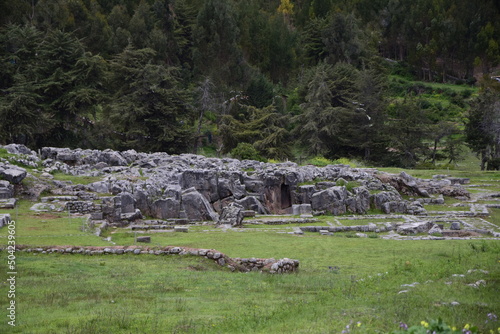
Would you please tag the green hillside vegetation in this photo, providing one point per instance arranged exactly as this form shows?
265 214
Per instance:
391 83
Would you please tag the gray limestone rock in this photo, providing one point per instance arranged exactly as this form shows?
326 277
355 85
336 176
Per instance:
301 209
359 202
414 228
232 215
196 206
4 219
330 200
131 216
435 229
12 173
166 208
6 190
252 203
204 181
146 239
305 193
101 187
127 203
19 149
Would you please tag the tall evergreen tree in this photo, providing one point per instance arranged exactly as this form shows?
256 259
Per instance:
148 110
216 52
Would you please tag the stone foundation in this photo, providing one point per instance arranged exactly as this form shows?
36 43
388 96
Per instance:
272 266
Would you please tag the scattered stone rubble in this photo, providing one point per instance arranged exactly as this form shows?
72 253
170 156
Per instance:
272 266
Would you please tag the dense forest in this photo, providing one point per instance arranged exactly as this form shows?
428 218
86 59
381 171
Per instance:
389 82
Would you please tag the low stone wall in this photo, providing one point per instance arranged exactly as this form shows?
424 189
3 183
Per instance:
272 266
81 207
354 228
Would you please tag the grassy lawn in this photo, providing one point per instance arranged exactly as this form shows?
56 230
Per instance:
174 294
49 228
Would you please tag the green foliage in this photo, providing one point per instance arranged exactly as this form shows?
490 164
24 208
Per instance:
321 61
482 128
216 52
435 326
266 128
149 110
245 151
319 161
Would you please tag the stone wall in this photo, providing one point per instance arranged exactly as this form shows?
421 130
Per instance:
272 266
81 207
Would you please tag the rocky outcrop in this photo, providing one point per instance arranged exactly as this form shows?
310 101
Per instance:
196 206
197 188
409 185
331 200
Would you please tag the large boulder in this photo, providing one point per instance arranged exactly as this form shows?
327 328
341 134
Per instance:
19 149
204 181
252 203
232 215
231 186
6 190
196 206
166 208
304 193
414 228
330 200
12 173
379 199
359 202
127 202
101 187
112 158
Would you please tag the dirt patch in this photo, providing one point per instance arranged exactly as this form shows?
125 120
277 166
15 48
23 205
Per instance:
460 234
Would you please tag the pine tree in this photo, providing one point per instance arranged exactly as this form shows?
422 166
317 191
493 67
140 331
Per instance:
148 110
216 52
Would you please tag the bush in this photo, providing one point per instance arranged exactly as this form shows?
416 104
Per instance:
320 161
245 151
344 161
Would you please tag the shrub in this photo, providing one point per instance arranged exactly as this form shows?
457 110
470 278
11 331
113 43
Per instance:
245 151
345 161
320 161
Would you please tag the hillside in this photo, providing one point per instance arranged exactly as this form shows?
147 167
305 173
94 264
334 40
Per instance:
388 83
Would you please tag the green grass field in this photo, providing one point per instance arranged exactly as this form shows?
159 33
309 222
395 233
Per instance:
174 294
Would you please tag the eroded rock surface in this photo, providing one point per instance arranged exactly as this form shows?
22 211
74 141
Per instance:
197 188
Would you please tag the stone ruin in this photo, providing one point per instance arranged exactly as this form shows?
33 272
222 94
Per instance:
185 188
173 190
271 265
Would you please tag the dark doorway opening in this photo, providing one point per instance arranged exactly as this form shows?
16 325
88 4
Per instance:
286 198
